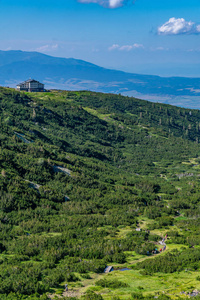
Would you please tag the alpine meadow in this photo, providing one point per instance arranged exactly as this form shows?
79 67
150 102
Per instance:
91 181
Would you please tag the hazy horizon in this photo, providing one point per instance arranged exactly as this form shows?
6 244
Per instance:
146 37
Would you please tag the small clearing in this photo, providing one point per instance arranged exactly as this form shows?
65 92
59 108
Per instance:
61 169
34 185
22 137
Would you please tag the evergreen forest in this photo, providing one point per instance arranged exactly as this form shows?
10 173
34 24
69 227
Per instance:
90 180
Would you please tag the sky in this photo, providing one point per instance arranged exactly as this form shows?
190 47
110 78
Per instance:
160 37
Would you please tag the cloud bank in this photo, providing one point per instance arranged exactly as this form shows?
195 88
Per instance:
178 26
47 48
125 47
108 3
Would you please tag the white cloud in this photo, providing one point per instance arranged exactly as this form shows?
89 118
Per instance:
138 45
178 26
125 47
108 3
115 3
113 47
160 48
47 48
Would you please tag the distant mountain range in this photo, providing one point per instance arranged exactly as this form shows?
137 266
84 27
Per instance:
74 74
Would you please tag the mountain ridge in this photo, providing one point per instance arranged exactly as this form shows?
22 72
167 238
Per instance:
76 74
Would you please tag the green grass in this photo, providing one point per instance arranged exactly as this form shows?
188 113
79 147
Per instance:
181 218
170 284
159 283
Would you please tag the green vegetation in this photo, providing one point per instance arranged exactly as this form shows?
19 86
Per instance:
79 172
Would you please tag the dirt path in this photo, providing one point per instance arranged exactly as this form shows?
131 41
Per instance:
72 293
69 293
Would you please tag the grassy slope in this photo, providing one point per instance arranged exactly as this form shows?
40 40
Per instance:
125 141
156 284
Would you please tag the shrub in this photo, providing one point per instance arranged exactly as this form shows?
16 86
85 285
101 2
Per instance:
119 258
137 296
90 295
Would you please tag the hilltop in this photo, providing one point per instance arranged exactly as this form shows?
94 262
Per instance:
80 171
75 74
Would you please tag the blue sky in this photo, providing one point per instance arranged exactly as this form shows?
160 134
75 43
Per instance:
144 36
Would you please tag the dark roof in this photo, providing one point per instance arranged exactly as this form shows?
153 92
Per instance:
29 80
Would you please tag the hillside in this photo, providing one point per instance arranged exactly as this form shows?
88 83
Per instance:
74 74
80 171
